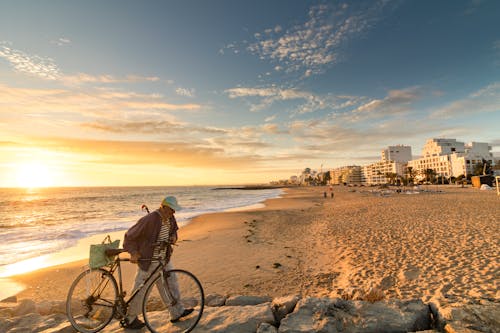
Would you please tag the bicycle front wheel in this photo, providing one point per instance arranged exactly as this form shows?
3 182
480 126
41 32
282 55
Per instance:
91 299
175 293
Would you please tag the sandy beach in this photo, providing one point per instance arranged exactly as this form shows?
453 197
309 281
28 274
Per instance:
441 245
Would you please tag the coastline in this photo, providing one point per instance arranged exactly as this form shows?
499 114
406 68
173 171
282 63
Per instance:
408 246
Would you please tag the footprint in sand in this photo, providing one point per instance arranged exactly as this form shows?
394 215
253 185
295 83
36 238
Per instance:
410 274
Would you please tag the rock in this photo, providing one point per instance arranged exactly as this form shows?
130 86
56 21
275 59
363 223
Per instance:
215 300
11 299
351 294
241 319
484 317
247 300
44 308
21 324
25 306
50 307
282 306
337 315
267 328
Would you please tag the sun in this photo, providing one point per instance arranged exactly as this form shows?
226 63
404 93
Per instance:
34 174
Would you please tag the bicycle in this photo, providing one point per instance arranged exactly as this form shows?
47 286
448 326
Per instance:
95 297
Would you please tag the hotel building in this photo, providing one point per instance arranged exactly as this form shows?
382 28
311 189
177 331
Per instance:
450 158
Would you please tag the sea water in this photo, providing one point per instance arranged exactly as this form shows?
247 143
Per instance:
38 222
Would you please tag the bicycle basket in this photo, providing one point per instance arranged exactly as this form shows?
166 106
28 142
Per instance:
97 255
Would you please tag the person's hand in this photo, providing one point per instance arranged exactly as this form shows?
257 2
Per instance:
134 258
173 239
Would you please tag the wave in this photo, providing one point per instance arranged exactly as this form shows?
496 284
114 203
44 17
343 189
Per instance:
49 221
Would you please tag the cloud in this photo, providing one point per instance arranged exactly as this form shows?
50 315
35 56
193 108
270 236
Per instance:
309 101
44 68
270 118
150 127
185 92
83 78
485 100
98 103
312 47
168 153
61 41
396 102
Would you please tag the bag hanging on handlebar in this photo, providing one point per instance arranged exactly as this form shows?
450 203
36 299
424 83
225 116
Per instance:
97 255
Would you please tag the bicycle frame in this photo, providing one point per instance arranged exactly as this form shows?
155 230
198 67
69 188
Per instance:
116 267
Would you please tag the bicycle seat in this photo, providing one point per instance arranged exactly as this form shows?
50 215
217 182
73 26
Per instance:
113 252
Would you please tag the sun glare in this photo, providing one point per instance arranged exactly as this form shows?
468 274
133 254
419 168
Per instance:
34 174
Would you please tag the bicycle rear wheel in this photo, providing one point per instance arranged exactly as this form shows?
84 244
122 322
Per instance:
91 299
183 291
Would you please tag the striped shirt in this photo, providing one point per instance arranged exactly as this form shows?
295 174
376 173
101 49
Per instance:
163 237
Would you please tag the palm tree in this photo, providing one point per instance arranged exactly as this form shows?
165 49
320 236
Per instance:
411 174
429 174
391 176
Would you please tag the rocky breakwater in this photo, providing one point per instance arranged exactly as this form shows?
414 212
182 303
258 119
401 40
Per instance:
291 314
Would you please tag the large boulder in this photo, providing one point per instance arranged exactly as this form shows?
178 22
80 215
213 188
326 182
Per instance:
241 319
468 318
247 300
337 315
215 300
25 307
282 306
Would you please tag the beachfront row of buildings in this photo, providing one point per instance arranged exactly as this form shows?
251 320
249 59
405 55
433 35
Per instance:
442 159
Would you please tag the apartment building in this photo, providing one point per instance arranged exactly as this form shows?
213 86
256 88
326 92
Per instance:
439 147
346 174
399 153
375 173
451 158
475 153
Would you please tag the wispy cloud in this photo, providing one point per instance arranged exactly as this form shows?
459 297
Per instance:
185 92
396 102
83 78
61 41
167 153
485 100
99 103
309 102
312 47
46 68
42 67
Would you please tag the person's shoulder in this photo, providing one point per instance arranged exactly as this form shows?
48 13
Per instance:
153 216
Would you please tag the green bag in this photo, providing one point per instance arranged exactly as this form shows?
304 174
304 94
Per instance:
98 257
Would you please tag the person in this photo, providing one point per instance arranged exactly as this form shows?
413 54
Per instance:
331 191
141 241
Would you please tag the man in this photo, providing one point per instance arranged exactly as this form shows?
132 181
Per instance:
157 227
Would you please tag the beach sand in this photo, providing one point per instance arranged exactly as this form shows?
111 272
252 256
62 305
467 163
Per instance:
430 245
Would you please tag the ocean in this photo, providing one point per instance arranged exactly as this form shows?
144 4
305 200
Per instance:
38 222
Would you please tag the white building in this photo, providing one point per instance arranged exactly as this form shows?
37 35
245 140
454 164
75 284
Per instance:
439 147
375 173
399 153
450 158
475 152
440 164
346 174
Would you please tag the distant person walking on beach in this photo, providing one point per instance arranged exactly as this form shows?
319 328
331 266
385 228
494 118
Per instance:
331 191
141 241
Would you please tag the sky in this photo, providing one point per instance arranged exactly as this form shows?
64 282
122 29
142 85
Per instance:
136 93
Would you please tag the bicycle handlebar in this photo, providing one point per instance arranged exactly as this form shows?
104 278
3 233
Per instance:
113 252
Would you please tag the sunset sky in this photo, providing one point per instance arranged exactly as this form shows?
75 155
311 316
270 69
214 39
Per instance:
230 92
